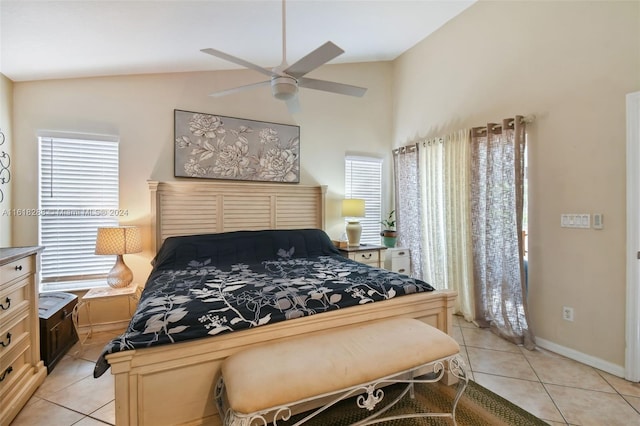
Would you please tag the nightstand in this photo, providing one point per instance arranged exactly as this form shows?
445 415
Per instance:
102 293
398 260
367 254
57 330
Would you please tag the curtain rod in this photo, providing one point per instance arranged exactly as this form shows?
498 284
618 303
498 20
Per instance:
526 119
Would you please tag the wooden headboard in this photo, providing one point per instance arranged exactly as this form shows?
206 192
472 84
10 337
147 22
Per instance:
190 208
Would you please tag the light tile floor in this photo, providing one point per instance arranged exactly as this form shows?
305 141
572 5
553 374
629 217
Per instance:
556 389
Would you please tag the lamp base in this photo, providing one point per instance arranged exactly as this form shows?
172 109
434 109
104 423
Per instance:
120 275
354 231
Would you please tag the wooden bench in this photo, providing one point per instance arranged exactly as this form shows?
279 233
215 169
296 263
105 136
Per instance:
271 382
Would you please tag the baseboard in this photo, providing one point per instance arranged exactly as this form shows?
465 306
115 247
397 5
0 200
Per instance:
592 361
105 326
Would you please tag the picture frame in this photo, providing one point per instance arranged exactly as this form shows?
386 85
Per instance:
210 146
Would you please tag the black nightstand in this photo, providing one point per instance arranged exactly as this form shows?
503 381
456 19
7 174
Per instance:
57 333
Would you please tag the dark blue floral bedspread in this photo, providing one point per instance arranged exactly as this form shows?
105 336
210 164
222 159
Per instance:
201 299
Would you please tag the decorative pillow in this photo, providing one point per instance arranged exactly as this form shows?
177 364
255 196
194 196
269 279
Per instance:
229 248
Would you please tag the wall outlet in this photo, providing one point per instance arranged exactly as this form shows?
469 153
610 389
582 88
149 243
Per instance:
567 313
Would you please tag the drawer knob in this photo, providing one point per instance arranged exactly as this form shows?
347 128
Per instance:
8 302
366 256
19 268
401 253
400 271
4 345
7 371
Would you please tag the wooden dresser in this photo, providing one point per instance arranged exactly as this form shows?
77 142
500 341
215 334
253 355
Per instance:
21 370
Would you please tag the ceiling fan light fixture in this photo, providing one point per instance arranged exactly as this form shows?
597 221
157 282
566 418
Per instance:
285 79
284 88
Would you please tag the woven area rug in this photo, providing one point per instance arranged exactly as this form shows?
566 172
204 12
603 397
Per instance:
477 407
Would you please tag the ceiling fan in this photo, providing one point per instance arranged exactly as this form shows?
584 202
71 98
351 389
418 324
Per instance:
286 79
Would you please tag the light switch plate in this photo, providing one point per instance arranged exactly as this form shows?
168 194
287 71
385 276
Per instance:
598 221
575 220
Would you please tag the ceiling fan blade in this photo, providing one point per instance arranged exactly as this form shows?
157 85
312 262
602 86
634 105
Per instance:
330 86
313 60
240 89
238 61
293 105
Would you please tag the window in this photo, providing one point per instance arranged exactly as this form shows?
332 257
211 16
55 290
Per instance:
363 179
78 193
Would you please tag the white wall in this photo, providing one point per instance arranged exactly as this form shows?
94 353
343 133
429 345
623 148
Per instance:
140 110
570 64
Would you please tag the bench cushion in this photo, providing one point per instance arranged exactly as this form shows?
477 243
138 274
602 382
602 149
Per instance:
280 373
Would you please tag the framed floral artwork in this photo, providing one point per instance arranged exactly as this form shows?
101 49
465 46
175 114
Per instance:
218 147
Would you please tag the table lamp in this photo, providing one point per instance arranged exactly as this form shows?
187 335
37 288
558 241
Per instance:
119 240
353 208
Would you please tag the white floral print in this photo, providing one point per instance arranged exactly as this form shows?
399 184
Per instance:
217 147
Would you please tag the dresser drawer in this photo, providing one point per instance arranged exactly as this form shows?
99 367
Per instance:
16 269
398 253
14 332
398 260
13 298
12 363
401 266
370 257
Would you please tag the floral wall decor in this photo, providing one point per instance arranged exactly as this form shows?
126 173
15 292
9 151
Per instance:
5 162
217 147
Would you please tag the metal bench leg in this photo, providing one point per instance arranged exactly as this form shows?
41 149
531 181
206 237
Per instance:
370 394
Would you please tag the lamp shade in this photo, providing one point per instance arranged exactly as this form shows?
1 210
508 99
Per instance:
353 207
118 240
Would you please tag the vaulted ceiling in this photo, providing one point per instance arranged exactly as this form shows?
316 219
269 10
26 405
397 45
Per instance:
68 39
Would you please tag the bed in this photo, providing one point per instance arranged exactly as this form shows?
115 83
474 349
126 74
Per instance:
170 384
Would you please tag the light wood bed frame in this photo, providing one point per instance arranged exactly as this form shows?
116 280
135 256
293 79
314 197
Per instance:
174 384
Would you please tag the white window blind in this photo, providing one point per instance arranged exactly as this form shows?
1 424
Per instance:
78 193
363 179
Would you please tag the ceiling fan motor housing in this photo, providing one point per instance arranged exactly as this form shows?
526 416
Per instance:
284 87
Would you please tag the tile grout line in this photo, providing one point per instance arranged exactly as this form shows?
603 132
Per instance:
497 375
58 390
466 351
98 409
555 404
621 395
464 347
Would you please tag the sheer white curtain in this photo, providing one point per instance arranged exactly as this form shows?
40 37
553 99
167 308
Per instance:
497 167
469 209
457 178
408 217
444 172
430 154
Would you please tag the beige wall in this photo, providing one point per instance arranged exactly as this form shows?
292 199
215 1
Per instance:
140 110
570 64
6 111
